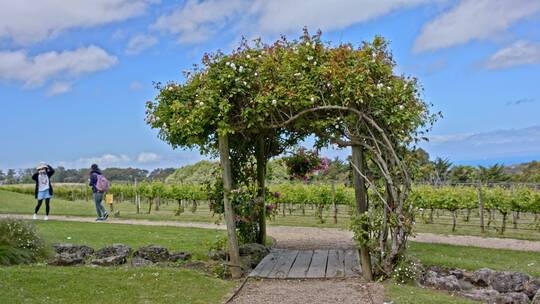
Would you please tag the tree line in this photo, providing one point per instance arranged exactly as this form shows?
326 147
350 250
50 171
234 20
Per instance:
65 175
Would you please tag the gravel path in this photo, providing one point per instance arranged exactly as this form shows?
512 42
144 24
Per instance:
344 291
319 238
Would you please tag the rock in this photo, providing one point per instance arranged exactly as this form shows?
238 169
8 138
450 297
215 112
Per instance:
481 277
512 298
113 250
508 281
110 260
532 287
67 259
81 250
536 299
138 261
484 295
218 255
458 273
449 282
256 253
465 285
115 254
179 256
153 253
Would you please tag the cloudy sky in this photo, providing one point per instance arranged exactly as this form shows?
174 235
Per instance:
74 75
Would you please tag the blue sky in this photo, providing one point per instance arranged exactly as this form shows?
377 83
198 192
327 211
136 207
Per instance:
74 77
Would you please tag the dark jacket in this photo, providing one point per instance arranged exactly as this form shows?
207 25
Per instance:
50 172
93 179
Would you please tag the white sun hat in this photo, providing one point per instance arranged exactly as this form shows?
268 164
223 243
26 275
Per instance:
41 165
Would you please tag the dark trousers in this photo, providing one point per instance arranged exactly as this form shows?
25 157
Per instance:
47 206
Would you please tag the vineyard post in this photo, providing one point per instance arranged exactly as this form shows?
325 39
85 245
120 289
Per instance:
361 207
481 207
137 198
334 201
236 267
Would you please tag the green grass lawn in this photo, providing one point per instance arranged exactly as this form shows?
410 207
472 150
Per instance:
473 258
405 294
97 235
46 284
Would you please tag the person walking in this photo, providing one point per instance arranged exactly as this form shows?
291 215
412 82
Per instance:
43 189
99 185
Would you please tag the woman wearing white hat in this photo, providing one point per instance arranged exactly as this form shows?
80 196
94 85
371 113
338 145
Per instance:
43 190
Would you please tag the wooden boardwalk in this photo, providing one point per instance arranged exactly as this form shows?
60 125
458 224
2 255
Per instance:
308 264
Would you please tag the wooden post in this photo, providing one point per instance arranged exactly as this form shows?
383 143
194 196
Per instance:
481 207
361 207
137 198
334 201
261 176
236 269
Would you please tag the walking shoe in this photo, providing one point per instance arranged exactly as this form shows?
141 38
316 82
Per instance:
34 217
46 218
106 216
99 219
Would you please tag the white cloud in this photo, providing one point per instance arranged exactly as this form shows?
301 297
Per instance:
473 19
198 21
136 86
103 161
282 16
518 53
140 43
29 21
495 144
58 88
148 157
34 71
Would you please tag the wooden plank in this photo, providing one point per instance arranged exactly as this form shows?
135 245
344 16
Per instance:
267 264
301 265
317 268
283 265
352 263
334 268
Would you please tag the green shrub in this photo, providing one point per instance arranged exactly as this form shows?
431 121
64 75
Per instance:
20 243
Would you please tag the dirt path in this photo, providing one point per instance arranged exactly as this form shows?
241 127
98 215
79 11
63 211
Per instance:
319 238
346 291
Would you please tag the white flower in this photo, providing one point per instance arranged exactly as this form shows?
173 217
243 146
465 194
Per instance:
312 98
313 46
259 56
379 85
401 107
310 58
201 103
233 65
388 88
245 83
247 56
170 88
315 63
274 102
297 74
307 44
240 69
256 74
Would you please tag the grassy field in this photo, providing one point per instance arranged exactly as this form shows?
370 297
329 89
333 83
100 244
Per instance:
33 284
45 284
23 204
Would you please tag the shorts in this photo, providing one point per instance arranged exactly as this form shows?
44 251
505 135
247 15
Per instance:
43 194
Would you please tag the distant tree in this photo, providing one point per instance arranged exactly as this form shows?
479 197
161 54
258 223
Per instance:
441 168
462 174
2 176
24 176
492 174
125 174
421 168
530 173
160 174
10 177
59 175
200 172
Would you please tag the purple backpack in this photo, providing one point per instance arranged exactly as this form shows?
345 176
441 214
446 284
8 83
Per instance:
102 184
